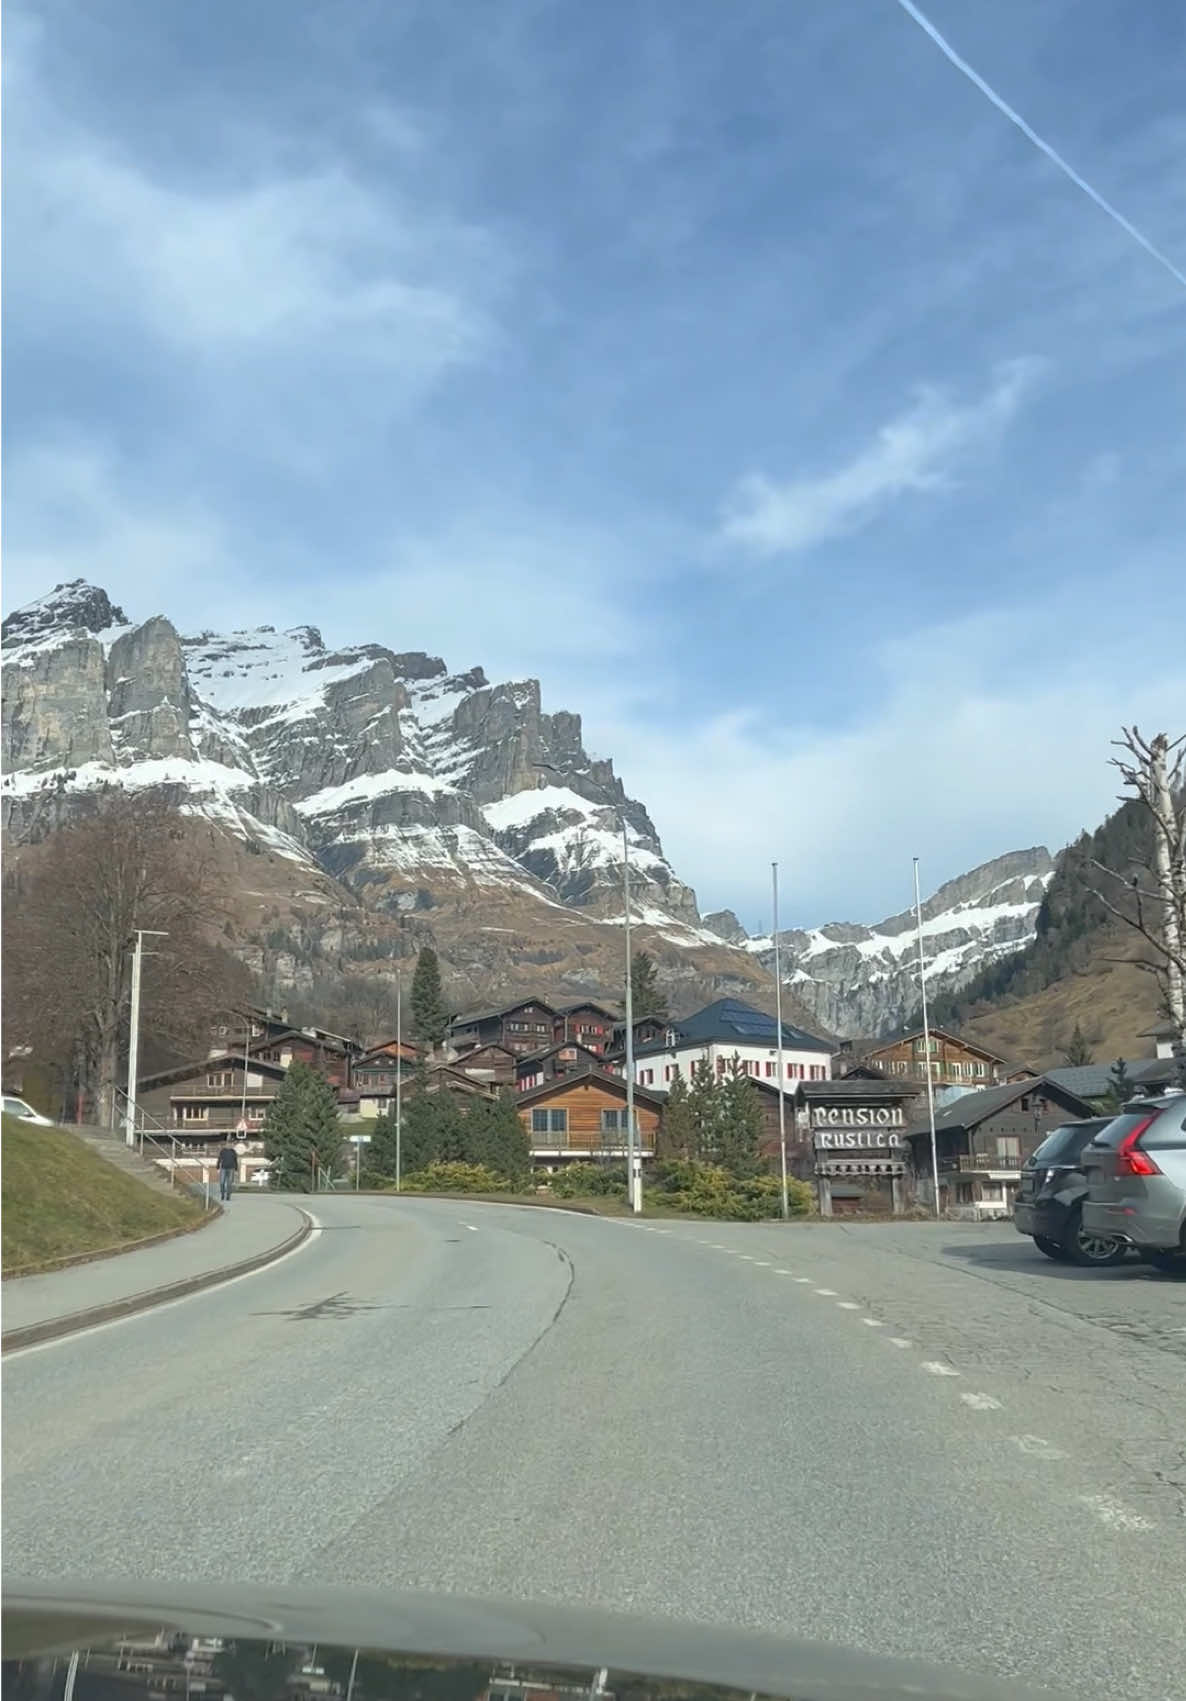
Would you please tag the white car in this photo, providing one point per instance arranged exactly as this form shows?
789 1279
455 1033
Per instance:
25 1112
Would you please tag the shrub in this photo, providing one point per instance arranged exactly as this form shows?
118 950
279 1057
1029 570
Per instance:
584 1180
455 1178
708 1190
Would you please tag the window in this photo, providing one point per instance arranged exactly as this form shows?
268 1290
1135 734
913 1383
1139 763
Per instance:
218 1078
256 1112
646 1078
1009 1150
194 1113
549 1122
568 1055
720 1065
769 1070
667 1073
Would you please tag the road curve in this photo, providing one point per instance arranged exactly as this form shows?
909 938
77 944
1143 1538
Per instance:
716 1422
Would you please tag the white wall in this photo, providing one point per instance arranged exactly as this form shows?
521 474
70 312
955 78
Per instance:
762 1061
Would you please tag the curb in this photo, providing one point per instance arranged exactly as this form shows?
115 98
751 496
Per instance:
50 1266
55 1327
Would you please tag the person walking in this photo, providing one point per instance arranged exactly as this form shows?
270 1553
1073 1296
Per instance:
228 1170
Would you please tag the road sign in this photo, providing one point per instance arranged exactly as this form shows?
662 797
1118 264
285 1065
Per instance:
240 1127
360 1139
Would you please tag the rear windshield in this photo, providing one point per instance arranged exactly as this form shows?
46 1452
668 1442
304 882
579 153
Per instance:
1120 1126
1066 1143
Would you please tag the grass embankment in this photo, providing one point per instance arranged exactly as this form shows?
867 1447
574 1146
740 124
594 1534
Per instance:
62 1200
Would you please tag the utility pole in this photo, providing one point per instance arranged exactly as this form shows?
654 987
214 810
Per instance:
399 1078
633 1180
142 933
782 1097
926 1041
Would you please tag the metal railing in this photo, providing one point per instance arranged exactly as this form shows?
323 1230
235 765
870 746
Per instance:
161 1146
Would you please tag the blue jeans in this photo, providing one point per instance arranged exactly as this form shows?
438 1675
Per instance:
226 1180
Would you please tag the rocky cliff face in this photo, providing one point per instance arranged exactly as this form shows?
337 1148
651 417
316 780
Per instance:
421 792
862 981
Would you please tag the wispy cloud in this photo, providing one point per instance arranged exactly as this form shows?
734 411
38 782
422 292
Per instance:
917 451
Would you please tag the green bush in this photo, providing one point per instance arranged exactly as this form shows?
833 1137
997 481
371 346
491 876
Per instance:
455 1178
708 1190
582 1181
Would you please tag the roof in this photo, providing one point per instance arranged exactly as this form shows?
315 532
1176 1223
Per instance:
560 1045
1089 1080
221 1060
566 1083
863 1091
1151 1071
971 1109
730 1022
590 1004
910 1034
1163 1030
469 1017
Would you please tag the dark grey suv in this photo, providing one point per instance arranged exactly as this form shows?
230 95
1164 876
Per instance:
1049 1203
1136 1179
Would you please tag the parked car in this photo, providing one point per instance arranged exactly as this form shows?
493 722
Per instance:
1136 1179
25 1112
1050 1195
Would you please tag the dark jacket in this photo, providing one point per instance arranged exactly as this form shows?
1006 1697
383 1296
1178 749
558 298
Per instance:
228 1158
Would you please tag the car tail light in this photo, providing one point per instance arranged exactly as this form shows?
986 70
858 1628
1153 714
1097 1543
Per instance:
1130 1160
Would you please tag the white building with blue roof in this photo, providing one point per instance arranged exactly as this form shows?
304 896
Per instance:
728 1029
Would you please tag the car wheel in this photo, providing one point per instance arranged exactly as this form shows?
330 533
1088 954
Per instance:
1173 1263
1050 1247
1095 1251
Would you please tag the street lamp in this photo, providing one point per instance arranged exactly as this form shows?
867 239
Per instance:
141 933
782 1091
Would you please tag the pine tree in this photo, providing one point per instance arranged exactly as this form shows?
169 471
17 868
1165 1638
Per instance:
1078 1052
494 1135
430 1017
646 994
678 1134
704 1111
740 1121
302 1133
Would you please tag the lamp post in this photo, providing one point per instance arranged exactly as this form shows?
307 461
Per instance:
633 1179
782 1098
399 1077
926 1040
142 933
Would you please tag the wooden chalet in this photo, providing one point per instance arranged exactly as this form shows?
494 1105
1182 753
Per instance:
525 1026
647 1030
583 1116
982 1140
540 1066
588 1024
199 1103
954 1062
488 1063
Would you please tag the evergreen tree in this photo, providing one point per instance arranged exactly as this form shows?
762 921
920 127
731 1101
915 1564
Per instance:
302 1133
428 1130
646 995
740 1122
430 1017
678 1134
494 1135
1078 1052
704 1110
1120 1086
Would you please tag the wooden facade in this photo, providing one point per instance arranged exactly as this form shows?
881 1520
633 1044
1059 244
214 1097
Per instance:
588 1024
954 1062
518 1028
584 1116
540 1066
200 1102
488 1063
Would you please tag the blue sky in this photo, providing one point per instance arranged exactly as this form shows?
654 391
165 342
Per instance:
736 369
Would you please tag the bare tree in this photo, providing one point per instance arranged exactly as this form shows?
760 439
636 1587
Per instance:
1152 900
70 921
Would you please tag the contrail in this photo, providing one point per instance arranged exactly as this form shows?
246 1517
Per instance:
975 78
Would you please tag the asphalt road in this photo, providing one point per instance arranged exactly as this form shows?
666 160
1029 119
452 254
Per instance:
913 1439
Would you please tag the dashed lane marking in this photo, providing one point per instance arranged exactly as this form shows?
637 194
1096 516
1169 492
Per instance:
1037 1447
784 1272
802 1278
873 1322
827 1293
848 1305
935 1367
981 1402
900 1341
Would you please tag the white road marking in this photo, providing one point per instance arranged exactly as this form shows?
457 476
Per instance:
828 1293
472 1227
1037 1447
936 1368
1114 1513
762 1263
981 1402
168 1304
784 1272
848 1305
900 1341
873 1322
802 1278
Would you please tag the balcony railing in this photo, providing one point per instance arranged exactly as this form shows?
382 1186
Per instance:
979 1162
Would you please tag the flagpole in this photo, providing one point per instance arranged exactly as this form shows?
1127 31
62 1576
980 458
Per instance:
782 1097
399 1077
926 1040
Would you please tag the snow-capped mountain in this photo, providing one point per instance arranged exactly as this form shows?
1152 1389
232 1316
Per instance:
860 981
384 769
